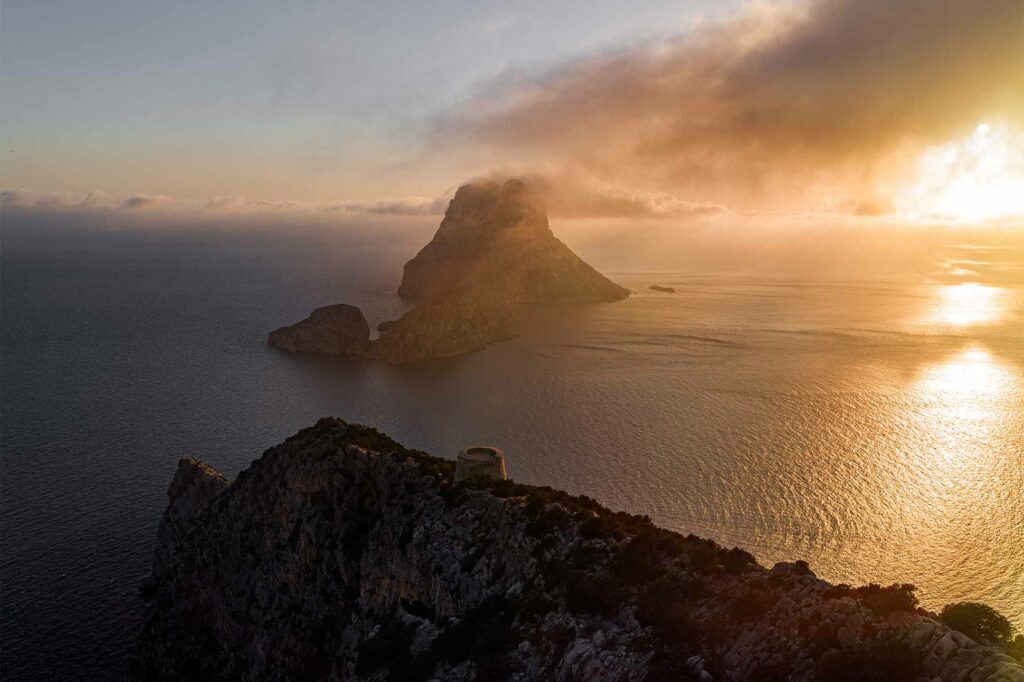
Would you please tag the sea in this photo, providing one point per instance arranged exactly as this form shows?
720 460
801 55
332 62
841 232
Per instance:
867 420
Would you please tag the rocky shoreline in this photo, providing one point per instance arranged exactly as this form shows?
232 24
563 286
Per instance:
341 555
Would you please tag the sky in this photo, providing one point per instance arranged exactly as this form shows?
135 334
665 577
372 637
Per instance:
648 108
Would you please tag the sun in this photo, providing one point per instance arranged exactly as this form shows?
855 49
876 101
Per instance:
979 177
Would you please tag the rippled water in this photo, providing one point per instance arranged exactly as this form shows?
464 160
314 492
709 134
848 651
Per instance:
874 428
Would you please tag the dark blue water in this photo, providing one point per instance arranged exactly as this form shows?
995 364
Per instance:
822 420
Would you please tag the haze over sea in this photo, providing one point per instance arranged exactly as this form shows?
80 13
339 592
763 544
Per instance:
864 414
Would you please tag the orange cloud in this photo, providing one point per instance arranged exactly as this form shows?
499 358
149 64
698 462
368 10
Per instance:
813 105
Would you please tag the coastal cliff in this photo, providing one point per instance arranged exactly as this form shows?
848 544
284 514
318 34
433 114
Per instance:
341 555
492 256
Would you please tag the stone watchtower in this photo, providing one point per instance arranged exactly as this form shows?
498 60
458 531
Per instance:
480 461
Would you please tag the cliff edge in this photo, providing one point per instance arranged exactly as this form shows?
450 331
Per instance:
341 555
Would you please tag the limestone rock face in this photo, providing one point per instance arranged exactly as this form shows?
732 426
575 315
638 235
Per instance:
334 329
341 555
194 487
495 240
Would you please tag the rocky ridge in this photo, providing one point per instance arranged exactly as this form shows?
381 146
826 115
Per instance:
493 255
341 555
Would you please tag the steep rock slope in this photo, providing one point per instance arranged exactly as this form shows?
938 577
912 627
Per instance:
341 555
495 239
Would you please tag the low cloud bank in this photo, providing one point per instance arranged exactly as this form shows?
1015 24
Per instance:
824 103
98 201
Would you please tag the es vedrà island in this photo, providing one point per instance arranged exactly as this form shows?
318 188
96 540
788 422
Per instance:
493 256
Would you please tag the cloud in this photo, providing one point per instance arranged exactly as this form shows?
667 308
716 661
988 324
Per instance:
397 206
815 103
22 198
570 194
402 206
145 201
98 201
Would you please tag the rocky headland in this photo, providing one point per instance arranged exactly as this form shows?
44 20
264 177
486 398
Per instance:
493 256
339 554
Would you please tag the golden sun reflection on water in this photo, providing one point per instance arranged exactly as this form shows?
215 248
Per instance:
965 399
971 373
956 494
969 303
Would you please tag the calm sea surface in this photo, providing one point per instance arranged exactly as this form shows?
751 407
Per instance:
872 427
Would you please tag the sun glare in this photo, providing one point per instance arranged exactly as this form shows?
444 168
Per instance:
960 305
973 371
976 178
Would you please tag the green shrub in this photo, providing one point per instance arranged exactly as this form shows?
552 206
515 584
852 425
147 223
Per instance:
390 645
676 633
639 561
752 603
1016 648
598 595
665 605
737 561
885 600
485 636
978 621
870 660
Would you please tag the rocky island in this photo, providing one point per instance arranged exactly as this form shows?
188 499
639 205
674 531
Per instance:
493 255
339 554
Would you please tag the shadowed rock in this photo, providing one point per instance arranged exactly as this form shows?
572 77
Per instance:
658 287
335 329
194 487
453 325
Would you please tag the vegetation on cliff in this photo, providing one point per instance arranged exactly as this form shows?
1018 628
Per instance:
339 554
